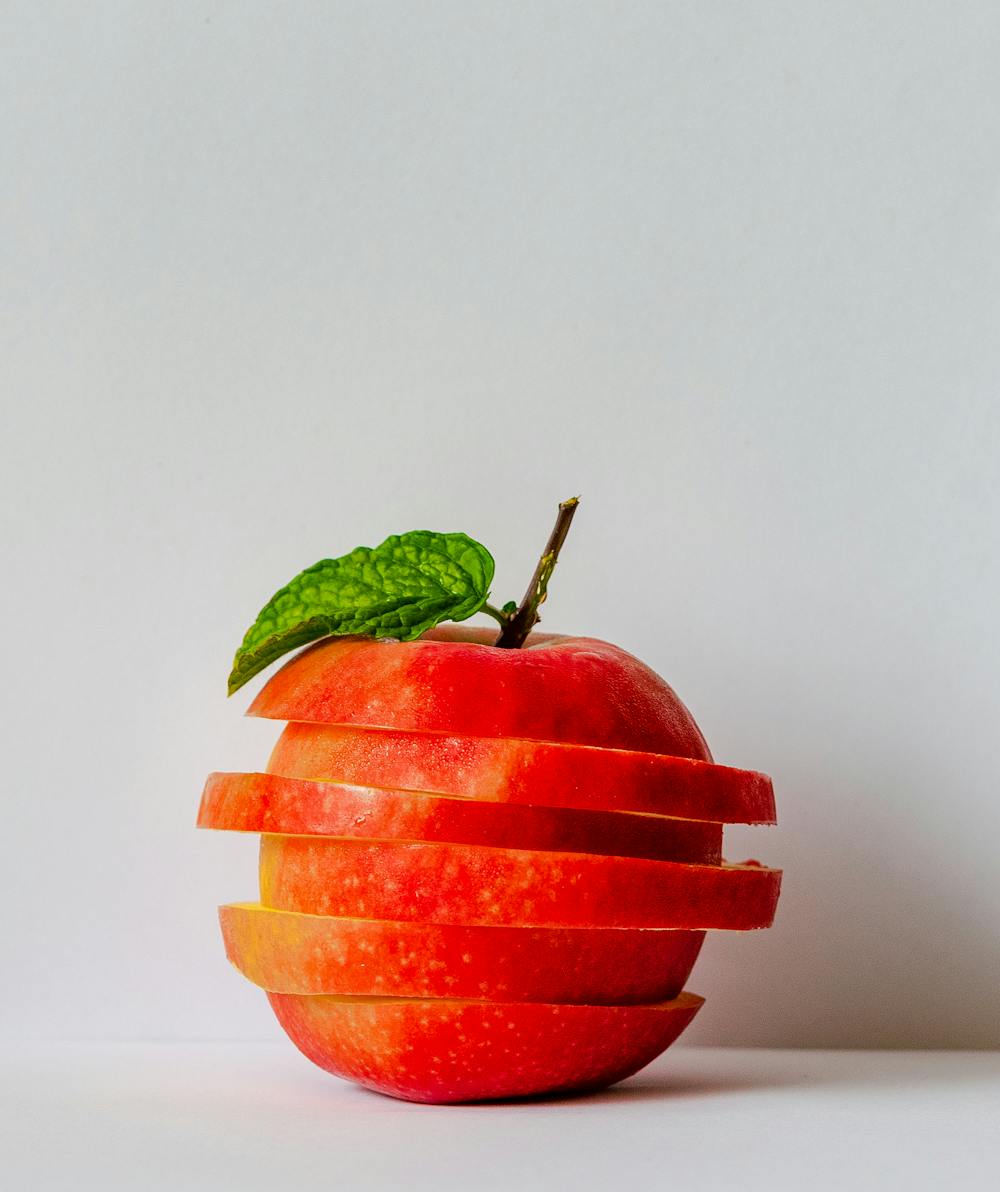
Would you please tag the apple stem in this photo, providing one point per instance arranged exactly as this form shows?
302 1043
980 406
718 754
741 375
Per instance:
520 623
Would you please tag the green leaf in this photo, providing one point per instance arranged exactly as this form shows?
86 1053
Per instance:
399 589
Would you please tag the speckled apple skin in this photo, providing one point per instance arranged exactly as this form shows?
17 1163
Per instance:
447 1051
269 803
570 689
564 723
464 883
284 952
519 771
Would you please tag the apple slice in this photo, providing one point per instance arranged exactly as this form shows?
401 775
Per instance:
453 679
441 1051
516 771
269 803
466 883
284 952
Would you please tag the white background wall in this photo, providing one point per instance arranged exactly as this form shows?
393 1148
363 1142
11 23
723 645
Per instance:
282 279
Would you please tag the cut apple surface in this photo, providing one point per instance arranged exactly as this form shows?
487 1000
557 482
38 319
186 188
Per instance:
453 680
463 883
450 1050
284 952
270 803
520 771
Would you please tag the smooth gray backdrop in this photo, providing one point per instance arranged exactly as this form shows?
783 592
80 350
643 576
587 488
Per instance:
279 279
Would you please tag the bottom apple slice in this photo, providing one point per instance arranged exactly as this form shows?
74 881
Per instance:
450 1050
285 952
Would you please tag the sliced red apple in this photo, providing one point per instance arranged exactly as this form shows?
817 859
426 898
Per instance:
269 803
517 771
285 952
465 883
454 680
443 1051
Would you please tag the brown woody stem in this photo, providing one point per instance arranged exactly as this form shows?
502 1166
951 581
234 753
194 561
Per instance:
516 630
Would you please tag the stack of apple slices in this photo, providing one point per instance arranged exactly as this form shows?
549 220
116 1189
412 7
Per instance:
484 873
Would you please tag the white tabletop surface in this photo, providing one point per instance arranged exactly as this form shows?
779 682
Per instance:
145 1116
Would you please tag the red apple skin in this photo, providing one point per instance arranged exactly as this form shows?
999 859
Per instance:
284 952
464 883
271 804
441 1051
564 723
516 771
573 690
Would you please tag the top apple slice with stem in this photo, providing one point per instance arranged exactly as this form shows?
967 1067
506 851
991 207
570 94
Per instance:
372 605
